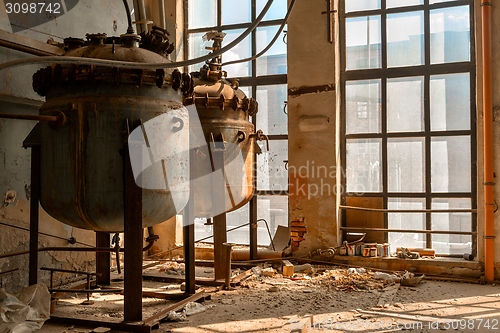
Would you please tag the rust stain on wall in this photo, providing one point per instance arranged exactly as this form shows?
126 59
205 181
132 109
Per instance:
294 92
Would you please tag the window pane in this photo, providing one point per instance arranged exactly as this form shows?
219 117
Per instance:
405 162
363 107
405 39
406 221
438 1
357 5
363 39
450 35
235 218
405 101
240 51
197 49
274 60
450 102
271 172
247 91
273 209
451 164
277 11
364 169
403 3
452 244
271 119
234 12
202 13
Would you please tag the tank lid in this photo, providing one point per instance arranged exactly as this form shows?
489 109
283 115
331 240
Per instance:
96 39
213 90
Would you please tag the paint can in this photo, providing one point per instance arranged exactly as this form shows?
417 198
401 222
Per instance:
380 249
351 249
342 251
373 251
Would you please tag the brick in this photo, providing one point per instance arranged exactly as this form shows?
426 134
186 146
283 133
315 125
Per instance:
288 268
294 243
298 229
297 224
294 234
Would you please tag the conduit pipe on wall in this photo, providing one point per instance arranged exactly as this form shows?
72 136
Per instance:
488 185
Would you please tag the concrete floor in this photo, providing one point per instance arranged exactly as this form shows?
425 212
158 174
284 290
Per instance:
327 301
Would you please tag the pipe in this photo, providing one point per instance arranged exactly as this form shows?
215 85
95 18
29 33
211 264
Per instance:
488 184
161 11
23 48
152 238
427 211
127 64
63 249
141 11
60 119
130 29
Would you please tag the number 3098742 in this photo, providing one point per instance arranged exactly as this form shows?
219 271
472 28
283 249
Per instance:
33 8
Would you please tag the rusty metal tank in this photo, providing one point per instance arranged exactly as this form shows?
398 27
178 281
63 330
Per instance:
224 113
82 168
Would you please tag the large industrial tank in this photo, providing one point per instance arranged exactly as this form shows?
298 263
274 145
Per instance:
224 113
82 168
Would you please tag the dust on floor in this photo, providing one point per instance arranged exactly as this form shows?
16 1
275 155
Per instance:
333 299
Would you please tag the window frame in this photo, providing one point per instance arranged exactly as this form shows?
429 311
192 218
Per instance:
252 82
427 71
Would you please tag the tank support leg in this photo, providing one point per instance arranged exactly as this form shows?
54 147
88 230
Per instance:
103 259
219 204
34 217
133 242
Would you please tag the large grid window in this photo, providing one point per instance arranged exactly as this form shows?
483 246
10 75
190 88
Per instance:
408 110
263 79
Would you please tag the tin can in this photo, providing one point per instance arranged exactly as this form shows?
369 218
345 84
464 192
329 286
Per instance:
386 250
380 250
358 251
373 251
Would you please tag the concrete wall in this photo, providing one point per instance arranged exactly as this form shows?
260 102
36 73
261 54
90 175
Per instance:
17 96
312 126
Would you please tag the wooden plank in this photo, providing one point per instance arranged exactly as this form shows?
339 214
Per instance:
356 218
241 277
387 296
175 307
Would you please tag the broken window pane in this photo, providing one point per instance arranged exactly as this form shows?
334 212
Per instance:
241 51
